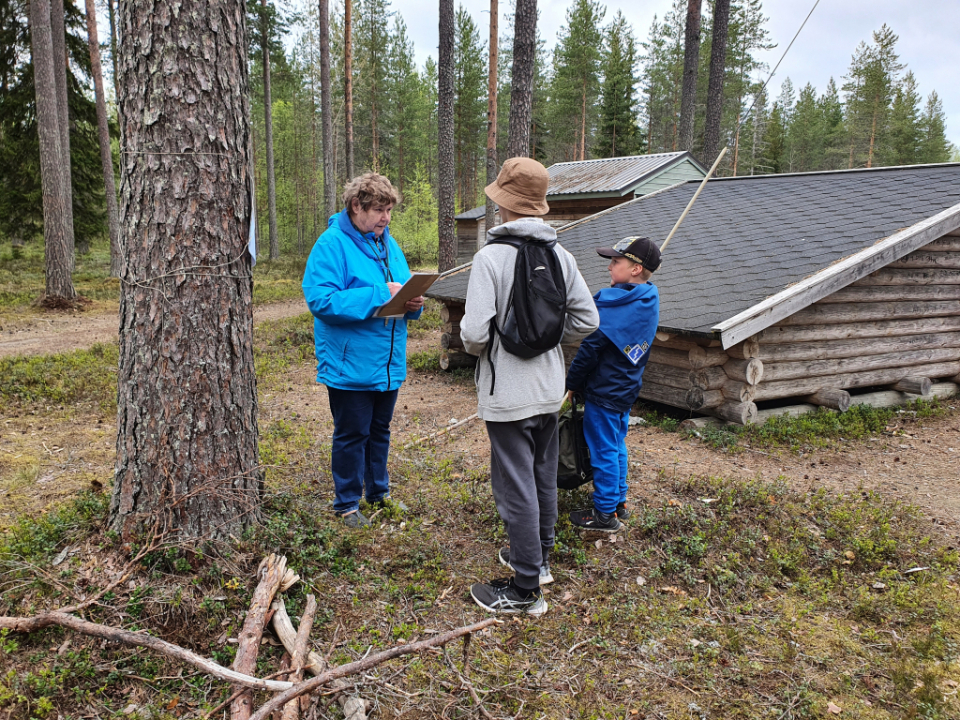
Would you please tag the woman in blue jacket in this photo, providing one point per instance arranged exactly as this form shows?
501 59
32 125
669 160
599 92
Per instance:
354 268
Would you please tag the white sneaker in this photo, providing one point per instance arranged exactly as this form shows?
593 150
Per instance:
545 576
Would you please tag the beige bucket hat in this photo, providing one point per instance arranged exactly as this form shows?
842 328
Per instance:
521 187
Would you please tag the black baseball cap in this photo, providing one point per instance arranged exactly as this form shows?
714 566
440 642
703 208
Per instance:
638 249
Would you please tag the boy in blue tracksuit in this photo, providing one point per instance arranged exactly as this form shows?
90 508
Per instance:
608 370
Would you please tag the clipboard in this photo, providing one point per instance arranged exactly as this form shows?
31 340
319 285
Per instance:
416 286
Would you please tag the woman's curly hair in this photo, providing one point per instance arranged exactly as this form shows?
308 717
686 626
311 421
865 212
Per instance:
370 189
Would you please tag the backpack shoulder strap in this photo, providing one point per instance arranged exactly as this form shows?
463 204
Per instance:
507 240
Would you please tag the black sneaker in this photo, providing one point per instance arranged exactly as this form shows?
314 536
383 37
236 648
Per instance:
622 512
593 519
502 596
356 519
545 576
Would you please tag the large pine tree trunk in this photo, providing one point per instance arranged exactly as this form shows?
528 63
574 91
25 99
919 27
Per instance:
59 36
691 63
57 248
492 110
348 85
326 111
268 131
718 61
445 155
187 453
103 132
521 78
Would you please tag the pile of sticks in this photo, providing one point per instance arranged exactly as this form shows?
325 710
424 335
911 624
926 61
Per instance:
293 694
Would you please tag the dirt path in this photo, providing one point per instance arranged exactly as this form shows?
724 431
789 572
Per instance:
37 335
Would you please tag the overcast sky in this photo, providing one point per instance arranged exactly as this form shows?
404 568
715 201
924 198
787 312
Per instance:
929 32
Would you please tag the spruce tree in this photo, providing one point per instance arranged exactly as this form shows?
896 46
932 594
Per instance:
934 147
806 132
618 133
905 123
834 132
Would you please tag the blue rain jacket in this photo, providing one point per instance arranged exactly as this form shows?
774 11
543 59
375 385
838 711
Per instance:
344 283
608 368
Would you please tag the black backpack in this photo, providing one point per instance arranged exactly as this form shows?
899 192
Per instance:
538 302
573 459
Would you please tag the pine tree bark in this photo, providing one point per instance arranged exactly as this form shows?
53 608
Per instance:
521 78
57 255
348 85
445 154
718 58
103 132
187 453
691 63
268 131
492 109
326 111
58 33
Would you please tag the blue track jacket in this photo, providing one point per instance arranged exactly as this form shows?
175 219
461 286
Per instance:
344 283
608 368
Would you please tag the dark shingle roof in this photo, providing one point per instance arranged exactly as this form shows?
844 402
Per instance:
749 238
609 175
475 214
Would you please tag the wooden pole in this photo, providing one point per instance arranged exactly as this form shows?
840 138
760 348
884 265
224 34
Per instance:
693 199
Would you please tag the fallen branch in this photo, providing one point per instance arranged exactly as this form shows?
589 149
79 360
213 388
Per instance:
354 708
356 667
299 655
71 622
437 434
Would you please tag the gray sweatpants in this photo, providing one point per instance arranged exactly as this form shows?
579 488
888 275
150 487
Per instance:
523 473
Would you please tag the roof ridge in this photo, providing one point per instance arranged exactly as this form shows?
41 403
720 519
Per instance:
620 157
845 171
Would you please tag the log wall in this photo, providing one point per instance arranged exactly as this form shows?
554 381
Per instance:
897 327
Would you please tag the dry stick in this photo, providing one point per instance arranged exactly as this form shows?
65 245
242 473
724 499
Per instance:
694 198
439 432
272 571
354 708
71 622
237 694
299 654
362 665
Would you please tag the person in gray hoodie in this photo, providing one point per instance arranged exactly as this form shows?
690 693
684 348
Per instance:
520 402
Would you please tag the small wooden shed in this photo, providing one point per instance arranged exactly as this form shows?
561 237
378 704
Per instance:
471 232
780 288
582 188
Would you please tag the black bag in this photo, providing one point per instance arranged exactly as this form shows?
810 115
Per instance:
538 302
573 464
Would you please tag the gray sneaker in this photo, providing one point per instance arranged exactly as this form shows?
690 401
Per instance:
545 576
503 596
355 519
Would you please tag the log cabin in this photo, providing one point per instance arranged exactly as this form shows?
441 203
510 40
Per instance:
779 289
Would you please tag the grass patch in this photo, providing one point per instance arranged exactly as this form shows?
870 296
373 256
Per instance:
79 376
821 429
741 599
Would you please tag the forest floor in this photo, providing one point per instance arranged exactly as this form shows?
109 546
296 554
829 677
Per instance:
743 606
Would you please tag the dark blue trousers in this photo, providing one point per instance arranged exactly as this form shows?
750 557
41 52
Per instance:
361 444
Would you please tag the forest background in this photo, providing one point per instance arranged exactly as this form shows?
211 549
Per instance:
602 88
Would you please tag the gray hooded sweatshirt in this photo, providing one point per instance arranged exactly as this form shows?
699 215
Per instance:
524 387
